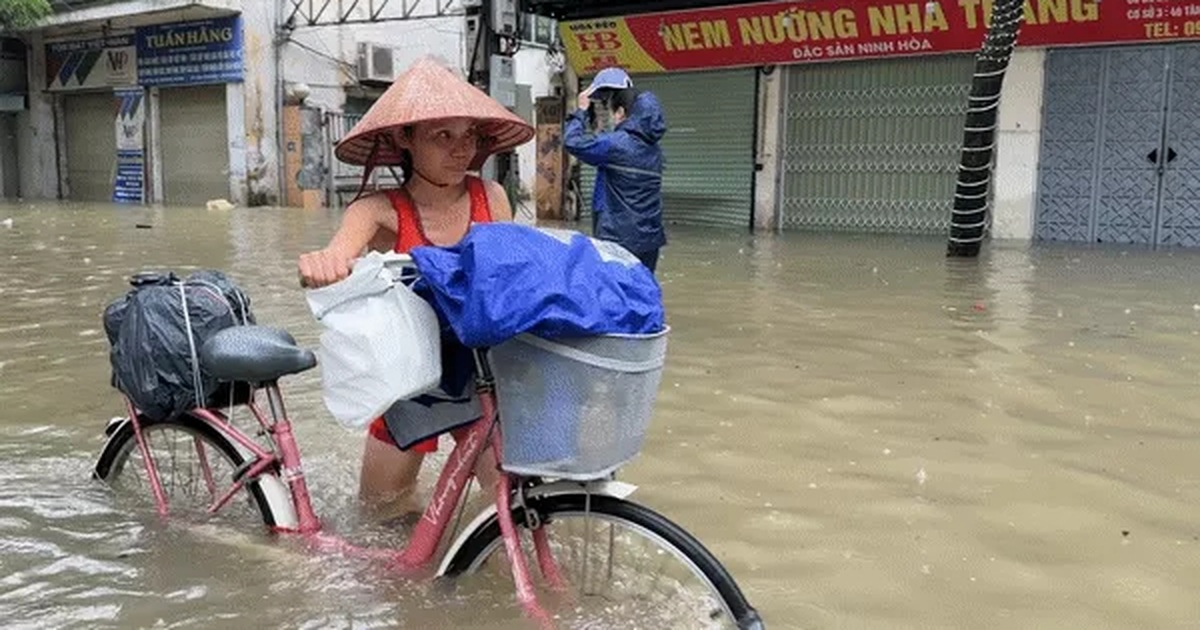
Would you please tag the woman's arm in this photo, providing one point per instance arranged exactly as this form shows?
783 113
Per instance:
360 224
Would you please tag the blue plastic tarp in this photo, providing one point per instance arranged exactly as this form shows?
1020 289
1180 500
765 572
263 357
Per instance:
505 279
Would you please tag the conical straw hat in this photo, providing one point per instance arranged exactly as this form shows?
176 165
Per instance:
426 92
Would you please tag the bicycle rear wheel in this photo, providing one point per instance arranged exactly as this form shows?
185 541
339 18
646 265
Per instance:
625 566
196 465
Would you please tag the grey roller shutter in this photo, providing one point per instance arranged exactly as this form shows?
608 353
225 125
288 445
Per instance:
194 143
709 146
91 139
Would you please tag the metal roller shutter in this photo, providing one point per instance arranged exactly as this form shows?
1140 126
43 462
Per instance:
873 146
91 139
194 144
709 147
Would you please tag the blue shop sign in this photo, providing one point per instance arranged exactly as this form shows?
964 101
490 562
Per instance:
190 53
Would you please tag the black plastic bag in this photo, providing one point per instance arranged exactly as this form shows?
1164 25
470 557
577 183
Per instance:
154 360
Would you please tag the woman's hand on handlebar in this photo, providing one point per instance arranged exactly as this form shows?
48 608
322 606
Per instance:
323 268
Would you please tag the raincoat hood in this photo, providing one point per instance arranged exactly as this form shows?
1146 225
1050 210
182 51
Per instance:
646 120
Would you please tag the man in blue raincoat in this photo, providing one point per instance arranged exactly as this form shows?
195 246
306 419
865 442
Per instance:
627 200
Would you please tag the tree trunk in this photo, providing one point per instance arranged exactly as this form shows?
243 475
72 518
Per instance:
969 219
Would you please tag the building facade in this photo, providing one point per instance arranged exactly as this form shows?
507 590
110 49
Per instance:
834 116
184 101
170 101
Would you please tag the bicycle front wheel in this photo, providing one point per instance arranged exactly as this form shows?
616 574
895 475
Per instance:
624 566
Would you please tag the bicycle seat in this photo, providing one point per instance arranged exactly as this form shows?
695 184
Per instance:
254 354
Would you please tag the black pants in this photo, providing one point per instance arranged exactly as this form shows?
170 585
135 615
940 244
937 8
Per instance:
650 259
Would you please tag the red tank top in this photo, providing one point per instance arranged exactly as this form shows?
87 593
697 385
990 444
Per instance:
409 233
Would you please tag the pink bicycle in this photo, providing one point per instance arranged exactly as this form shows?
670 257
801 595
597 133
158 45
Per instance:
628 565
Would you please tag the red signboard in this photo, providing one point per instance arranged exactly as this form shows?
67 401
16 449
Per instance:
829 30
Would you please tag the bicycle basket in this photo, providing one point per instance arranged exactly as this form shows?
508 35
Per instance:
576 408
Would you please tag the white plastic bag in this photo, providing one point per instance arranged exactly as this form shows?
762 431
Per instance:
381 341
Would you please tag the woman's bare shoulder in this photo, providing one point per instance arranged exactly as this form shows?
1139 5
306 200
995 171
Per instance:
378 206
372 203
498 201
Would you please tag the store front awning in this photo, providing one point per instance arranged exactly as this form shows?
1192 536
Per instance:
75 17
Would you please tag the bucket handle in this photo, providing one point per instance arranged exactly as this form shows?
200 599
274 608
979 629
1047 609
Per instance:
605 363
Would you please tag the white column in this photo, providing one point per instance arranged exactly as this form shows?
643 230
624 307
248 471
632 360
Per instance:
39 155
767 180
235 116
1018 142
157 188
260 105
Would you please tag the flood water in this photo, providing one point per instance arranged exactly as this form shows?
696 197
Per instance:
868 435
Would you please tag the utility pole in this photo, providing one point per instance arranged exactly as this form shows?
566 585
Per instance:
492 40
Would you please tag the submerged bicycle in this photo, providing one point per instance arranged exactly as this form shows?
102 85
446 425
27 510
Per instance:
626 561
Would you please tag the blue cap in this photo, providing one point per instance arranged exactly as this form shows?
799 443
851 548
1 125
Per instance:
611 78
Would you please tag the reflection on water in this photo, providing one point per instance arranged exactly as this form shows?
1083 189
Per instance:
869 435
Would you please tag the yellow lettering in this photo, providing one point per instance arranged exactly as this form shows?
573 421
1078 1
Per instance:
673 38
936 21
774 29
845 24
716 34
1085 10
908 18
1055 10
820 24
883 20
796 30
971 12
1031 16
692 33
751 31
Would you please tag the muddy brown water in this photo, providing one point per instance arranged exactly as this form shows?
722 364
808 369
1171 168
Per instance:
867 434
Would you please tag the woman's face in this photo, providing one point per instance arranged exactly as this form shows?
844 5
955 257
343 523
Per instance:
442 151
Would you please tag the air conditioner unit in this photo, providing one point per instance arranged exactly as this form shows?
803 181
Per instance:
375 63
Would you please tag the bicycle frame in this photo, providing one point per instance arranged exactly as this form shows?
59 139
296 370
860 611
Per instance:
453 481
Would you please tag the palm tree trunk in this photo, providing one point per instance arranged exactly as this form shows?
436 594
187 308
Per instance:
969 220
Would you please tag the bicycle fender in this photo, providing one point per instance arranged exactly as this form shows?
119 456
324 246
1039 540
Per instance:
615 489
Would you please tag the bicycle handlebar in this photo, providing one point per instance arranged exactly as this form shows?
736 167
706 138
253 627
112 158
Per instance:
389 259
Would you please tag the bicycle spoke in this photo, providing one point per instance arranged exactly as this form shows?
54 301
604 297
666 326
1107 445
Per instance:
642 581
192 479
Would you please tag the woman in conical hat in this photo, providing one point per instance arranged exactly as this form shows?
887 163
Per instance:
437 129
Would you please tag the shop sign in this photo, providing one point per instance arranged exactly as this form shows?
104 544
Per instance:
98 62
190 53
831 30
130 183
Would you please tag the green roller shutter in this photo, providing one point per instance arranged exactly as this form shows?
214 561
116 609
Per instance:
873 146
709 147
